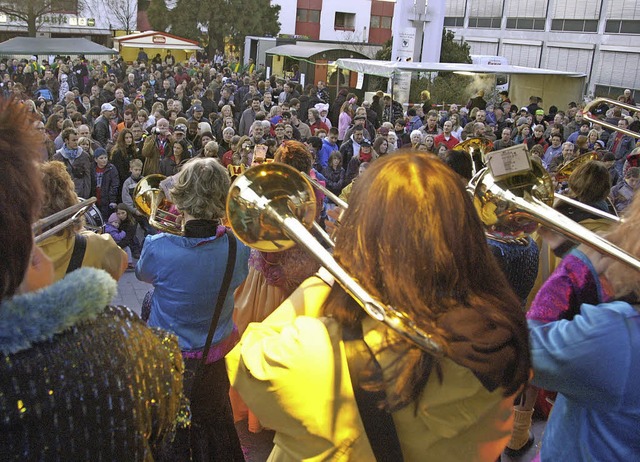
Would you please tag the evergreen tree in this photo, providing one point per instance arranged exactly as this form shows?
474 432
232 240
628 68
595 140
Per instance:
158 15
229 19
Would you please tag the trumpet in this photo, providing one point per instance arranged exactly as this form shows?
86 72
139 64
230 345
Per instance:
69 216
272 206
587 115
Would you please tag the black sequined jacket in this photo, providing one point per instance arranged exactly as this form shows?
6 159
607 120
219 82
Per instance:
79 381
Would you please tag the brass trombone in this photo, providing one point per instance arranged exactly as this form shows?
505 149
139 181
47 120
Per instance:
271 207
70 215
589 117
514 206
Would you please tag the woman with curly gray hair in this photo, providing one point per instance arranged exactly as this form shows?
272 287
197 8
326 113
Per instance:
187 273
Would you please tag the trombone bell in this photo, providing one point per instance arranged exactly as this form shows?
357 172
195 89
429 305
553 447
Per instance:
261 197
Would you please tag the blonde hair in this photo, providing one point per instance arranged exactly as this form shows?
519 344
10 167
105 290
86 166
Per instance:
201 189
623 280
59 190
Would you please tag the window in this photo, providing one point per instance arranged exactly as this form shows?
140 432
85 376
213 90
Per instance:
308 15
345 21
574 25
454 21
485 23
525 23
613 92
622 27
380 22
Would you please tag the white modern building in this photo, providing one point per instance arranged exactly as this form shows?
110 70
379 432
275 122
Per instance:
599 38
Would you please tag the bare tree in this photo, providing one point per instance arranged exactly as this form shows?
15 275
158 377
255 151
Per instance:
29 11
121 14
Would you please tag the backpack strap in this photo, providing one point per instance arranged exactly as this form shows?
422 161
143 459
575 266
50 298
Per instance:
79 249
378 423
222 295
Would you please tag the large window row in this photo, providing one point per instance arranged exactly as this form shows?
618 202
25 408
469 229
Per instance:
614 26
526 23
485 23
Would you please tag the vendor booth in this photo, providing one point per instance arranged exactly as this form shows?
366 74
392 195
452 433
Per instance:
557 86
153 42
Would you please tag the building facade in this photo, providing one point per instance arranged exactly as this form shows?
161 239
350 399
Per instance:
597 37
347 21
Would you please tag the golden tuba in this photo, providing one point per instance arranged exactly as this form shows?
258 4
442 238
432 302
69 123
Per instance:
514 206
272 206
150 200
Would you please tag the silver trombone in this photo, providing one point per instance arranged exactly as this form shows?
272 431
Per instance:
69 216
270 207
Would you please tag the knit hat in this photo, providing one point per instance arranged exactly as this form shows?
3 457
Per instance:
113 217
522 121
539 111
100 152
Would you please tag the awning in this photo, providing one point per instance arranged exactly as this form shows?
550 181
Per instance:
53 46
306 50
155 39
390 68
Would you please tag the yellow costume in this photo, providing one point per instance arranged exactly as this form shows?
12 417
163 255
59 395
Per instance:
292 372
102 252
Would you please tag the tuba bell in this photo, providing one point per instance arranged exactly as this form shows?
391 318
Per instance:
150 200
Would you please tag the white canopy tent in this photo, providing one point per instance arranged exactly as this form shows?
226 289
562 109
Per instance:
558 87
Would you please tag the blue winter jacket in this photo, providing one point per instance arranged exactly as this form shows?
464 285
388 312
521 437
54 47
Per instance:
187 274
593 362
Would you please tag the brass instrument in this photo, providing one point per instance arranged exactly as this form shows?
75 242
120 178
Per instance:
514 206
270 208
477 148
589 117
70 215
588 208
150 200
567 169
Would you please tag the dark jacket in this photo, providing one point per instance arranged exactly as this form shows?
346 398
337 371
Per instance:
109 189
121 162
335 179
102 131
81 171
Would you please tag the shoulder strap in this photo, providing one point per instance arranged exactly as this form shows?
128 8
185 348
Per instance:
378 423
222 295
79 249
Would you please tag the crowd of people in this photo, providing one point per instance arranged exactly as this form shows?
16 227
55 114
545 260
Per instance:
267 337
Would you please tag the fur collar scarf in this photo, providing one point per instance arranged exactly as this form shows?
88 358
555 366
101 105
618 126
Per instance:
33 317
